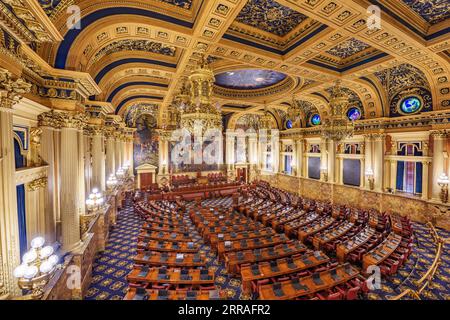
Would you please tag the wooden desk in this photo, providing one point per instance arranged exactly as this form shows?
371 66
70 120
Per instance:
175 295
266 272
292 227
266 292
250 244
329 235
381 252
154 258
214 238
315 227
278 223
152 245
165 221
347 247
166 236
153 226
232 260
173 277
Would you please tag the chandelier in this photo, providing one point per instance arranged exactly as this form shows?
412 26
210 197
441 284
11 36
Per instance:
338 127
197 112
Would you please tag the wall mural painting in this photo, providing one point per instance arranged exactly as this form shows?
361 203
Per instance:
146 142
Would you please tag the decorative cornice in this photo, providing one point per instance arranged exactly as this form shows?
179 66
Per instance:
11 91
59 120
37 184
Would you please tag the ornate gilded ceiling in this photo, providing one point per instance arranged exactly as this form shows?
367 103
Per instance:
139 51
270 16
433 11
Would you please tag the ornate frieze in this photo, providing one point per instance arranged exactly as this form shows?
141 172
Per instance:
59 120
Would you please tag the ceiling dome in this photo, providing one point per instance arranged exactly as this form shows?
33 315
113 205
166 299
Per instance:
250 79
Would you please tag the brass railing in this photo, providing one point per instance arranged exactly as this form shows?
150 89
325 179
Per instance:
427 278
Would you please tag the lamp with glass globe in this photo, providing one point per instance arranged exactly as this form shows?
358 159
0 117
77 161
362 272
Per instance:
120 174
38 266
111 183
95 201
443 182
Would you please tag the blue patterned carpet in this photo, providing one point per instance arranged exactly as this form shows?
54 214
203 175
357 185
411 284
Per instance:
112 266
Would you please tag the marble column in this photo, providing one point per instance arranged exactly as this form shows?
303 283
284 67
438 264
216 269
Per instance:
439 137
378 161
110 154
35 205
323 159
230 149
70 181
98 159
393 175
117 151
300 157
368 147
10 94
49 124
331 163
87 160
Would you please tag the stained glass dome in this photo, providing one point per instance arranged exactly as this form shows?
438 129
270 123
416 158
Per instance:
354 114
410 105
250 79
289 124
315 119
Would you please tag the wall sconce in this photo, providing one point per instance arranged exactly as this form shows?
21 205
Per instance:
111 183
443 182
95 201
370 178
38 266
120 174
324 172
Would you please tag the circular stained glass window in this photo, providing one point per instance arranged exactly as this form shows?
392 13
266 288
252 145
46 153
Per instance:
354 114
289 124
315 119
411 105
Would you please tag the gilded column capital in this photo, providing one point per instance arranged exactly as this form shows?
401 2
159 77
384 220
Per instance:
439 134
50 119
75 120
11 91
95 130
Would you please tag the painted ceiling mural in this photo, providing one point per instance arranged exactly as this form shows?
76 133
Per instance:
249 79
348 48
433 11
401 77
270 16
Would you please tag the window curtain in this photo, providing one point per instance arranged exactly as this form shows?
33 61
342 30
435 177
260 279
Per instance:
18 157
21 211
314 168
352 172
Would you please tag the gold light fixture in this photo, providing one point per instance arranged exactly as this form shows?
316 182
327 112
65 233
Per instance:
370 178
338 127
38 266
198 112
443 182
111 183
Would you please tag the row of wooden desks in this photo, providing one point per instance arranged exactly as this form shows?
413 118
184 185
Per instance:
170 259
154 226
176 276
236 236
166 236
279 222
268 241
309 285
141 294
331 234
291 228
154 245
381 252
280 267
208 232
315 227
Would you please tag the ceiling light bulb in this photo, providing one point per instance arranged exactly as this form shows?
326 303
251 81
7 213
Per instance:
20 271
53 259
30 256
30 272
46 267
46 252
37 242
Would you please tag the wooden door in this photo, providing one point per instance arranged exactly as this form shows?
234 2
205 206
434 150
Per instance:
146 180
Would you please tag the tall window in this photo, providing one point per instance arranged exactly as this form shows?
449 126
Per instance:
409 173
288 164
